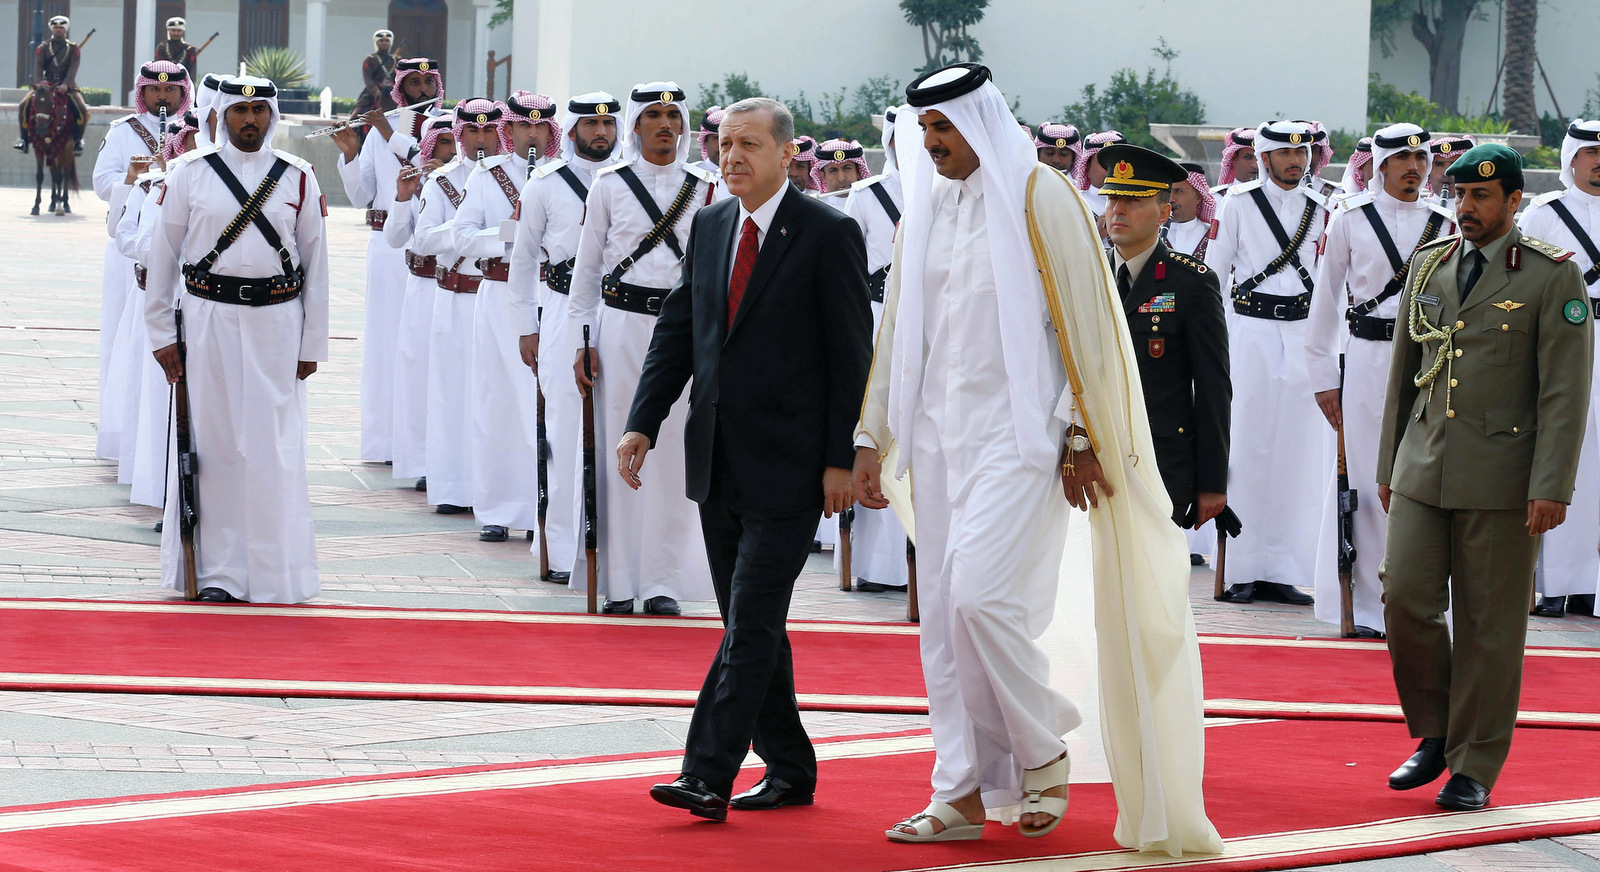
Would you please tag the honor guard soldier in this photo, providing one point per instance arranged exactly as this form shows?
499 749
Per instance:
1194 213
1238 161
1570 217
177 49
369 168
710 123
1445 151
629 254
1358 171
377 76
479 128
1173 304
1090 173
542 259
839 165
1369 249
1482 428
1060 146
1266 252
257 288
163 88
55 64
504 395
805 154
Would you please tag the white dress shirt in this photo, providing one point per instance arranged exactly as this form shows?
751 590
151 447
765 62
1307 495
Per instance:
763 218
1541 222
864 206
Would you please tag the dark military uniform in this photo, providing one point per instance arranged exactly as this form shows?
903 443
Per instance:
1180 334
179 52
377 75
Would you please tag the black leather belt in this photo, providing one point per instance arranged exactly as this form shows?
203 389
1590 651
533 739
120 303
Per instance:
633 298
1368 327
376 218
139 274
494 269
875 283
420 266
238 291
1272 308
558 275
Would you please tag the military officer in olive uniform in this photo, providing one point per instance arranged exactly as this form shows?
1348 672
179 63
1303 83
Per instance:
1174 309
1482 425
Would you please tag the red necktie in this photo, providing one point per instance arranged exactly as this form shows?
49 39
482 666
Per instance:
743 263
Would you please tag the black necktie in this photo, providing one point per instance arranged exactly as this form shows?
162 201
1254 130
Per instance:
1473 274
1124 284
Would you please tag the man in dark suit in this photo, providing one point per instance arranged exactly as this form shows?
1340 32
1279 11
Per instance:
771 320
1174 308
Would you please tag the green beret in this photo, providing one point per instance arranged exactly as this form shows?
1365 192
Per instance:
1482 163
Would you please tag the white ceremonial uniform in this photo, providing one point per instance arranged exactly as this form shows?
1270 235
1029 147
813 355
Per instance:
1186 236
1280 443
1568 561
879 550
447 450
255 538
650 542
149 485
409 438
1354 257
547 232
991 526
371 179
119 398
504 394
122 142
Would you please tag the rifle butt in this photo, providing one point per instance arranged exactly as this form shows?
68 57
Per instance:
1347 608
846 536
1222 566
913 612
591 511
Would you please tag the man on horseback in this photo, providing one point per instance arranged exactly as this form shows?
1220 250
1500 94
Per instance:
55 74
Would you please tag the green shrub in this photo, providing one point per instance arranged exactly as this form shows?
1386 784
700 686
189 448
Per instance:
1386 105
844 114
96 96
1542 158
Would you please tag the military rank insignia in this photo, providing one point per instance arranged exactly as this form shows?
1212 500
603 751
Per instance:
1158 347
1576 311
1160 303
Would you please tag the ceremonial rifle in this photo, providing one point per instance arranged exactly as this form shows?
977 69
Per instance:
207 44
1347 531
591 511
913 612
86 37
846 522
188 467
542 448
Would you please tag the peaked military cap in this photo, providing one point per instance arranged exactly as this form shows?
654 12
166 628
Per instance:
1135 171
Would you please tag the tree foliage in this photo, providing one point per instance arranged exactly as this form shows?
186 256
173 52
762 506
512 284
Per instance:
502 13
1387 105
842 114
944 25
1130 104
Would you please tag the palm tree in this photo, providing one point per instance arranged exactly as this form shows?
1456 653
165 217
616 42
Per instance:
1522 24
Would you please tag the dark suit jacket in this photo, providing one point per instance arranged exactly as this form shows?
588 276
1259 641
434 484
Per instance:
1180 335
782 387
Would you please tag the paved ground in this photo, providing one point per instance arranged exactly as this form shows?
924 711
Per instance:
66 530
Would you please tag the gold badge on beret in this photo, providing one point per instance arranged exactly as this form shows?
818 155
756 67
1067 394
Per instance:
161 77
423 66
1486 169
602 109
248 90
1123 170
1444 148
534 115
838 155
1061 143
1294 139
482 118
666 96
1413 140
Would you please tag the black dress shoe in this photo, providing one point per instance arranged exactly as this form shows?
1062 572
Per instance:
693 794
1196 559
1461 793
1272 591
559 577
216 595
770 793
1423 767
873 587
661 605
1365 633
1240 593
1581 604
448 509
529 535
493 533
1551 607
816 546
422 484
616 607
159 525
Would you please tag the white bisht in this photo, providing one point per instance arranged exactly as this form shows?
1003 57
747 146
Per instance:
1047 258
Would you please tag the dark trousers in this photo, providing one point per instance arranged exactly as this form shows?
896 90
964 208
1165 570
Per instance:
748 695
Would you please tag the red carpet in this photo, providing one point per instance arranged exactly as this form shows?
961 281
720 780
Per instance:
1256 677
383 653
1283 794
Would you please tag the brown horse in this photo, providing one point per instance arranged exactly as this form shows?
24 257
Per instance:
48 120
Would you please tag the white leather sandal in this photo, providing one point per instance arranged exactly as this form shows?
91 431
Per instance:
1034 783
956 826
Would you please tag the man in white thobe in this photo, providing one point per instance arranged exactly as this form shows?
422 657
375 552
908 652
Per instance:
542 259
255 321
1266 252
650 543
1569 567
997 380
1368 249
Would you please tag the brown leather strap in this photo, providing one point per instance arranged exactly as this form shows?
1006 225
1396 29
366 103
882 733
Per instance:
450 191
507 187
376 218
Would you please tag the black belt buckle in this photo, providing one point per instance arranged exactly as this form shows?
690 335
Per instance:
652 304
1278 313
247 292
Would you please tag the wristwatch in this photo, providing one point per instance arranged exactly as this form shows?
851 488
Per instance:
1078 442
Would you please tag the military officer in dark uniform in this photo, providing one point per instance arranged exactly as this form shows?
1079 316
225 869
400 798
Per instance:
377 75
1483 422
1174 309
176 48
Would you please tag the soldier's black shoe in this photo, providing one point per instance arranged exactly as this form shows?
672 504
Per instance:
1551 607
21 145
1196 559
529 535
1461 793
662 605
1365 633
816 546
1581 604
447 509
1423 767
216 595
559 577
873 587
616 607
1240 593
1272 591
493 533
158 525
422 484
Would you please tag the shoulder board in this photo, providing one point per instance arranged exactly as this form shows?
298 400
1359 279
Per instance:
700 173
447 167
605 171
1315 196
1244 187
1554 252
1222 189
1356 200
294 160
124 119
1547 197
549 168
1331 184
1185 260
1449 214
494 160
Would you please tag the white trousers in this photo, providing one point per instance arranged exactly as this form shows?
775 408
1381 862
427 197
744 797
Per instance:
386 286
1569 562
151 428
255 536
115 280
409 437
563 430
449 446
1366 379
504 402
119 399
